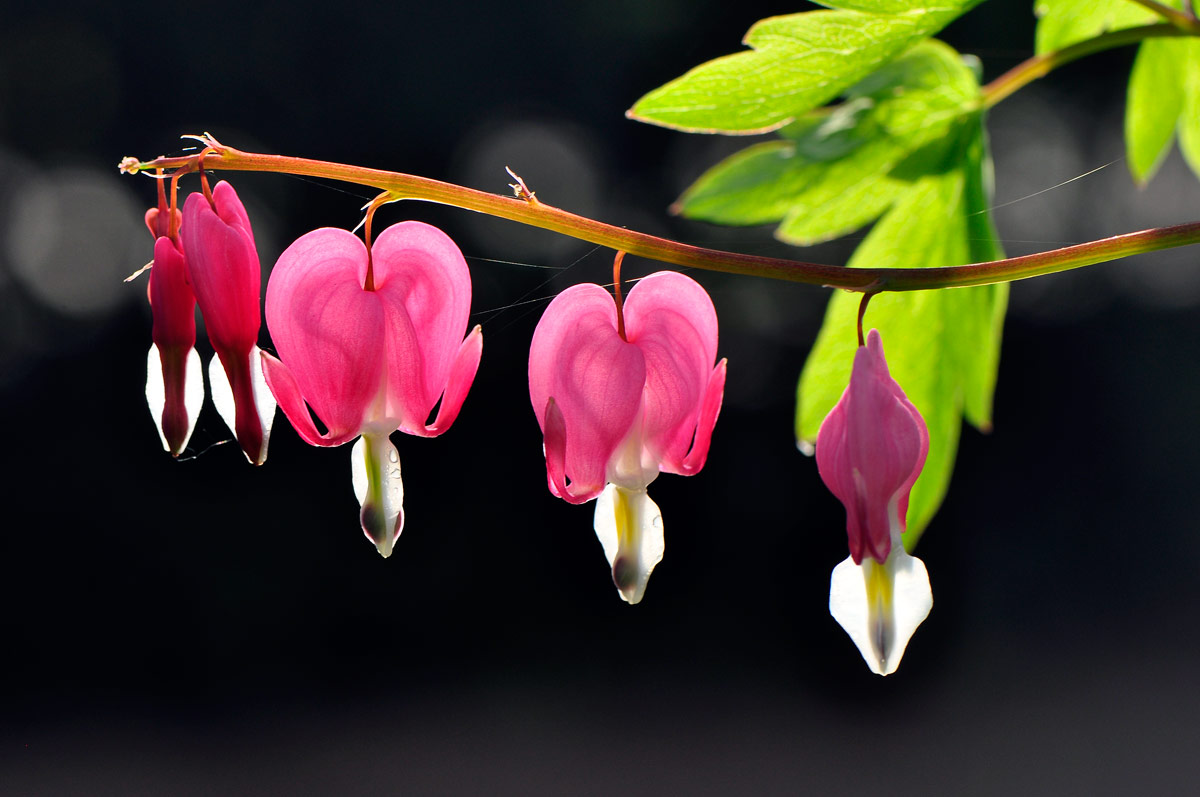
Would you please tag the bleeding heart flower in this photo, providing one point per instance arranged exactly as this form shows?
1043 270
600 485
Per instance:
174 380
224 273
616 410
370 361
870 450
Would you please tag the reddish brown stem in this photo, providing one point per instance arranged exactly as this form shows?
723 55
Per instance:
369 282
617 290
407 186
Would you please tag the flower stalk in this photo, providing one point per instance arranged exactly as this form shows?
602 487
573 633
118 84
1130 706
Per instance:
525 210
1039 66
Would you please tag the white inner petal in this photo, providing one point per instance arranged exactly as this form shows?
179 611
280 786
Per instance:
156 392
630 465
629 526
221 392
375 471
880 606
264 399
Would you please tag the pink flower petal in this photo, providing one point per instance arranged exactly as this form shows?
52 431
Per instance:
171 298
462 374
870 450
283 386
329 332
422 279
231 210
176 390
223 268
709 410
595 379
671 319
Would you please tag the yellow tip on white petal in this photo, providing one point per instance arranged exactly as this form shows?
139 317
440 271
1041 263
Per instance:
630 528
880 606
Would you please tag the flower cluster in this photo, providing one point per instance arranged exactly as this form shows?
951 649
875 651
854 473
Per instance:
371 337
206 256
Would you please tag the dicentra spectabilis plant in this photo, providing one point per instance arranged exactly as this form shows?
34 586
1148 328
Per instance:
875 123
622 393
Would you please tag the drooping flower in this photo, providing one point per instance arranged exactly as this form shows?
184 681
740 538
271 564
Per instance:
370 361
174 380
224 273
870 450
615 410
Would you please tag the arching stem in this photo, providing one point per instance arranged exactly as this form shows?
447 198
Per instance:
540 214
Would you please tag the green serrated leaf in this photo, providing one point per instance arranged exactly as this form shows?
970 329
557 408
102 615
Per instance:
942 346
1062 23
754 186
1155 100
840 213
836 175
798 62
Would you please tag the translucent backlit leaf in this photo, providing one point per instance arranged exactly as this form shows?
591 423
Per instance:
1154 102
832 173
942 346
797 62
1062 23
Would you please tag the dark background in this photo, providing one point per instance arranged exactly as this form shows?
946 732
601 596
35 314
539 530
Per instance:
205 627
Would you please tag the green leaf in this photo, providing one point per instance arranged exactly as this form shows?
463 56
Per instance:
1163 97
1189 118
1164 86
798 62
835 213
942 346
985 323
833 173
1062 23
1155 100
876 6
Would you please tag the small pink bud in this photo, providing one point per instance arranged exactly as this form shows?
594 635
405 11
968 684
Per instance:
174 381
870 451
224 272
